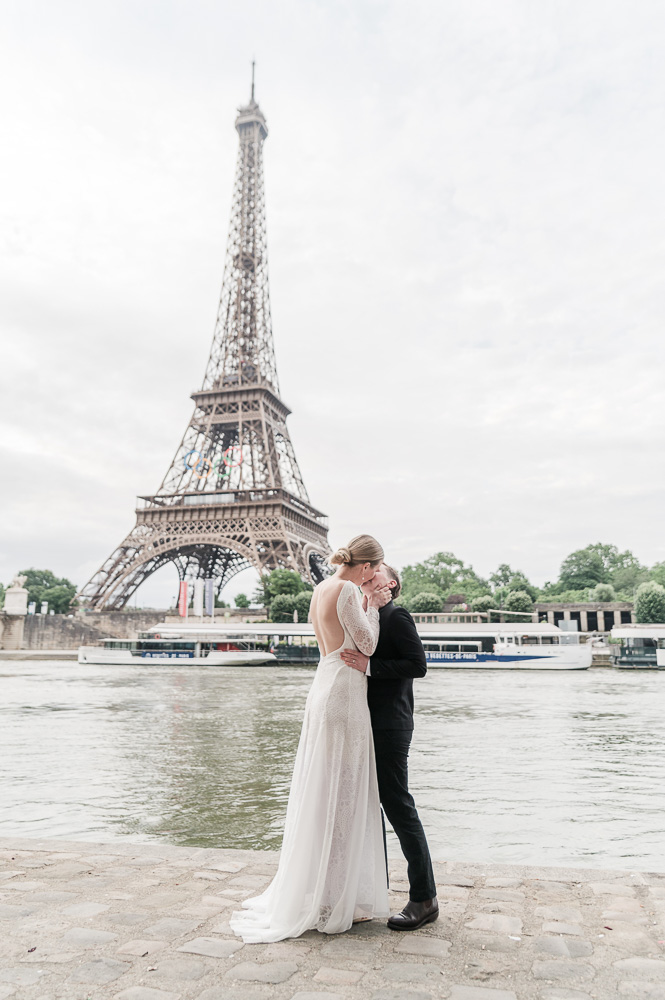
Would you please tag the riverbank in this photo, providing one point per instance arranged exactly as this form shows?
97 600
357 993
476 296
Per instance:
39 654
150 922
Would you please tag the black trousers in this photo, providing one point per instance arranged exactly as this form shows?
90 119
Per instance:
392 756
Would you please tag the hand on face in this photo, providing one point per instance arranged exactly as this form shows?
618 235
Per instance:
376 588
379 597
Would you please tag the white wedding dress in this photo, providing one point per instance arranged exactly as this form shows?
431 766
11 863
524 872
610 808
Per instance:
332 866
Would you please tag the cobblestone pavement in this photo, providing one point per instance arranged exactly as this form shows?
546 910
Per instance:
83 921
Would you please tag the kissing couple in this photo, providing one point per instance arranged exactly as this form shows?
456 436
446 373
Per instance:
351 760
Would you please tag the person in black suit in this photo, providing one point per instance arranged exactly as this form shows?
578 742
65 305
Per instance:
398 658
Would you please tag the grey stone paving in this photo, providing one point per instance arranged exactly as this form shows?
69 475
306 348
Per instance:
93 921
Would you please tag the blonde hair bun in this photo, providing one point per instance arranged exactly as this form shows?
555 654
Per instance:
361 549
341 557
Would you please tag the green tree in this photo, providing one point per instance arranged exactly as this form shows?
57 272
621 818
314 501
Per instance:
2 595
43 585
60 598
512 579
657 573
583 568
650 603
279 581
600 563
501 575
518 600
483 604
425 603
285 581
282 608
603 592
626 581
303 601
242 601
442 573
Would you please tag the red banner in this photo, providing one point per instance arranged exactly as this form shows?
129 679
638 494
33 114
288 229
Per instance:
182 600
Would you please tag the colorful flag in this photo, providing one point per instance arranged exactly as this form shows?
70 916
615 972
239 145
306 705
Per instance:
209 596
198 598
182 599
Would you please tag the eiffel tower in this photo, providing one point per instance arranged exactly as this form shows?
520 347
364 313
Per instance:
233 496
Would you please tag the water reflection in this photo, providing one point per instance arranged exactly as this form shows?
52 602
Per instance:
540 768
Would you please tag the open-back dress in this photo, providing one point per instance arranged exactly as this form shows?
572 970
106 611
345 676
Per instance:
332 867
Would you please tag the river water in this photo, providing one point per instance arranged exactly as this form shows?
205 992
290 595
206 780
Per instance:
549 768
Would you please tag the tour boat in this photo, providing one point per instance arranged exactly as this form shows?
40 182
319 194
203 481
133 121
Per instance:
638 647
503 645
484 645
182 645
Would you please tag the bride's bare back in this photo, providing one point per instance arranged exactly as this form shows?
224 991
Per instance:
325 619
335 614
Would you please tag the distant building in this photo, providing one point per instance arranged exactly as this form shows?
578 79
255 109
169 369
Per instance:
600 617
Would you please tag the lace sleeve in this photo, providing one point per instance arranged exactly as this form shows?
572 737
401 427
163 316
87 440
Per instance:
363 628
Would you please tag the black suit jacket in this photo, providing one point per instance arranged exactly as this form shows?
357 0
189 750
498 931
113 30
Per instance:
398 658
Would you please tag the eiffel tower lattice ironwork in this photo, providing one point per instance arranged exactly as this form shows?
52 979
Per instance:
233 496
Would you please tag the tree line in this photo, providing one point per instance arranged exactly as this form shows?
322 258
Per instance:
597 573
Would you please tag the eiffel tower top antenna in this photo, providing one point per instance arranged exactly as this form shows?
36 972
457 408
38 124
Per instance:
253 65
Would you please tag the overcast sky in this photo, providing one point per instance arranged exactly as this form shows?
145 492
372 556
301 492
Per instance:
466 231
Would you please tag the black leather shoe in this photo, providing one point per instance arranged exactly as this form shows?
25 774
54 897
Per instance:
415 915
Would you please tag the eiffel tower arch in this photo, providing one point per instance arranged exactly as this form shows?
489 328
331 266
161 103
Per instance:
233 496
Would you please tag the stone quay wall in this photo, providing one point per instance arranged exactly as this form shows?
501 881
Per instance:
85 628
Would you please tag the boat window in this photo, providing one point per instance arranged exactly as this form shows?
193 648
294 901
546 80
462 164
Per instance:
165 644
550 640
451 647
470 648
530 640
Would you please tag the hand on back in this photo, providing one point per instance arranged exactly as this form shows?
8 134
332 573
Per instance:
354 658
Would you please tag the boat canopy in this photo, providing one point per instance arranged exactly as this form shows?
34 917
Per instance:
639 632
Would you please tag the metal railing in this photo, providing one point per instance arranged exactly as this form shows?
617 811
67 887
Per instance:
203 499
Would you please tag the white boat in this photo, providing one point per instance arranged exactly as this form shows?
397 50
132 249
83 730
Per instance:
220 648
478 645
503 646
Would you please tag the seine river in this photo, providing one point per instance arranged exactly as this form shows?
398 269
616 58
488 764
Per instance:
543 768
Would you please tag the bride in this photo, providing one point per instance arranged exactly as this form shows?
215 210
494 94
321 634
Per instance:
332 868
